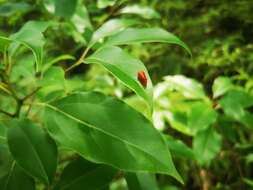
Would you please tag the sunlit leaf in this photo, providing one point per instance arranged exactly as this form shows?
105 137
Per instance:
221 85
125 68
105 3
143 11
109 28
106 130
145 35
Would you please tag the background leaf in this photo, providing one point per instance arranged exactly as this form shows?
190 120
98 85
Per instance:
65 8
82 173
206 145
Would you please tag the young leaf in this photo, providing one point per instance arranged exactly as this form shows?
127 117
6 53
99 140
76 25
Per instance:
101 4
106 130
140 181
221 85
190 88
201 116
109 28
125 68
145 35
206 145
82 173
143 11
12 177
33 149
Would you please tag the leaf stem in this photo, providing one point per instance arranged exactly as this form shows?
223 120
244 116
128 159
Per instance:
79 61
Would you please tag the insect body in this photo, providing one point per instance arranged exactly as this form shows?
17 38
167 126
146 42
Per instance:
142 78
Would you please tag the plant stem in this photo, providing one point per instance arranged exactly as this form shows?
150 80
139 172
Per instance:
79 61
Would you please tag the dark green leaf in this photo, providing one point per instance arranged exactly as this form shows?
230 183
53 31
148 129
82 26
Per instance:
106 130
141 181
32 148
9 8
81 173
12 177
65 8
178 148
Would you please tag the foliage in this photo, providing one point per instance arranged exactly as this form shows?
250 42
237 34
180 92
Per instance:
93 97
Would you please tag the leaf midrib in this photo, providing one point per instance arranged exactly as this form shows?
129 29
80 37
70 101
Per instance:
101 130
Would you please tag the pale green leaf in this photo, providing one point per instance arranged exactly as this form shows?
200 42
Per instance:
125 68
143 11
221 85
145 35
101 4
31 36
201 116
109 28
190 88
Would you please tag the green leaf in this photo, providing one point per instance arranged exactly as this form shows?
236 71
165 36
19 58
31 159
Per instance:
106 130
81 173
190 88
8 9
125 68
81 19
12 177
32 148
53 80
221 85
201 116
145 35
65 8
4 43
31 36
234 104
2 134
178 148
109 28
143 11
206 145
140 181
101 4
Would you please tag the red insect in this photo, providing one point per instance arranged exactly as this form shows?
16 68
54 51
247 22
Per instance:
142 78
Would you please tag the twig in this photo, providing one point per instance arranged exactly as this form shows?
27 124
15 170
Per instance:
79 61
